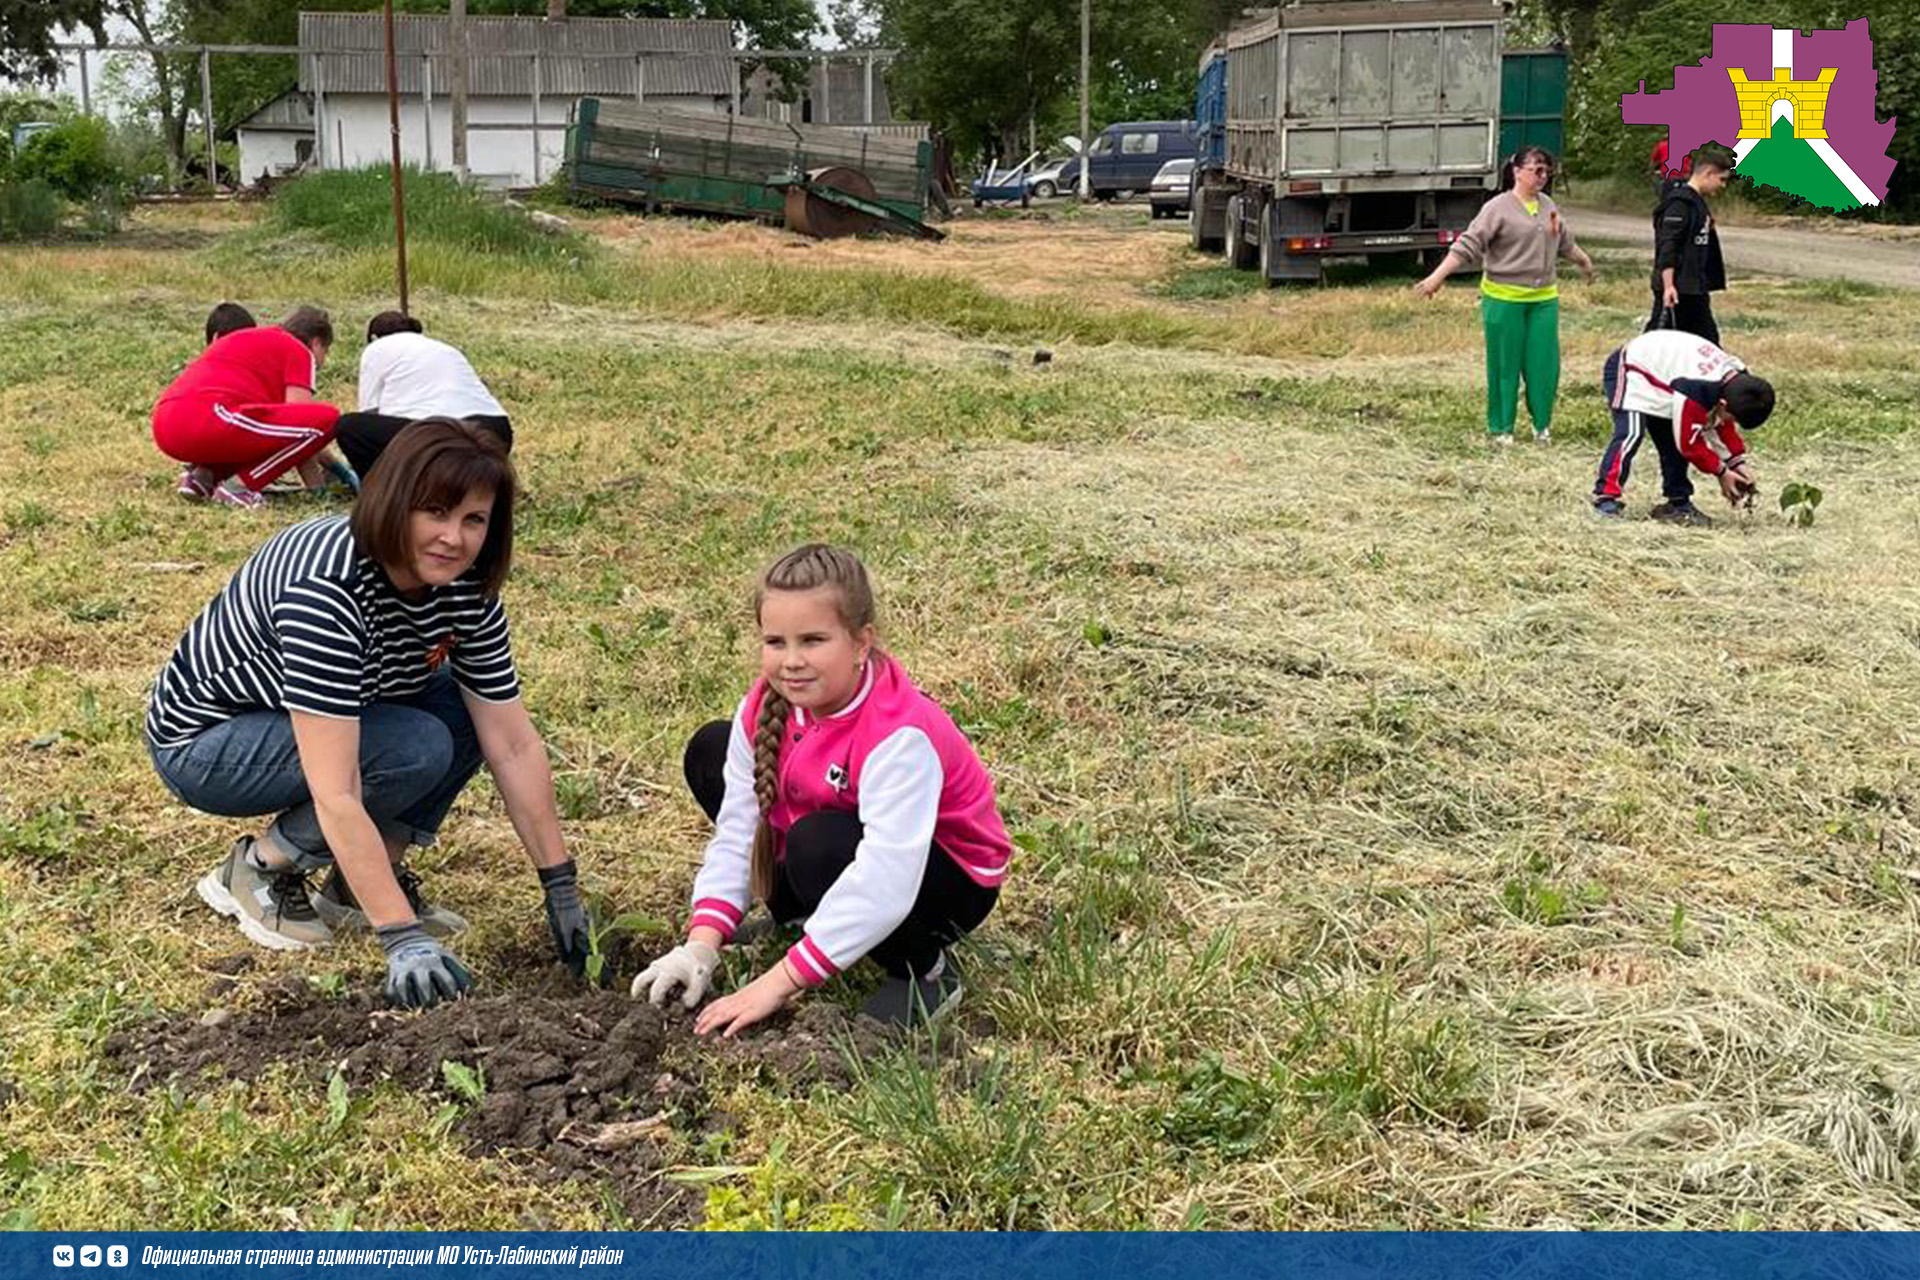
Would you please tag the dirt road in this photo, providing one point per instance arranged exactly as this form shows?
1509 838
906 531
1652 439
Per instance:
1872 255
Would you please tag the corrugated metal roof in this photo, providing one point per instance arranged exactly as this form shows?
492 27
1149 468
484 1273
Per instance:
292 111
348 52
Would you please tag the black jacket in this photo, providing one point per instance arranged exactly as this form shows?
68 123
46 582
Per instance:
1685 239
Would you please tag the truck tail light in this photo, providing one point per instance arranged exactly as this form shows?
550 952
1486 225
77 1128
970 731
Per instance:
1308 244
1302 188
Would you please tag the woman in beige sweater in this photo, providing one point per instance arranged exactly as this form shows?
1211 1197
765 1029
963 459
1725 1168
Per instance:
1516 240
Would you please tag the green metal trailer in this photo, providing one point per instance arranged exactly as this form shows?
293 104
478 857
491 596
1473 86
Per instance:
734 166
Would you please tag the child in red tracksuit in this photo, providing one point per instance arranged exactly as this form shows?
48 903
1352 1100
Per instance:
1676 387
244 412
844 798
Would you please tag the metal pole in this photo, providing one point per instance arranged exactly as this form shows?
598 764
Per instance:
640 80
457 35
869 90
426 103
536 119
319 115
206 115
1086 109
86 89
399 194
736 86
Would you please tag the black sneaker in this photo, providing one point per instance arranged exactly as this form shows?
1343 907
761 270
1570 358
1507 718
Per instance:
1684 513
1610 507
341 911
900 1002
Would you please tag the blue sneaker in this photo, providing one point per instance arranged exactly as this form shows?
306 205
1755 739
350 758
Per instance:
1611 507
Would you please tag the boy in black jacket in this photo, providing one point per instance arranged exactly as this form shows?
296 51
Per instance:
1686 252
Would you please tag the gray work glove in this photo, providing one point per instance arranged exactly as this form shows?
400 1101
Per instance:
689 965
420 972
567 916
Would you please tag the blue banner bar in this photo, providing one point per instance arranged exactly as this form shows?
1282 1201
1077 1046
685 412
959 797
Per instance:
47 1255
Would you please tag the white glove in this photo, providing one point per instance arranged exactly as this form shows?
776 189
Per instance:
689 965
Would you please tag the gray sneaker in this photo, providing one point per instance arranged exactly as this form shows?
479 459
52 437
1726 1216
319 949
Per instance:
900 1002
271 907
341 912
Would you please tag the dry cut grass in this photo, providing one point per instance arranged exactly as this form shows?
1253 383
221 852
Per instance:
1398 844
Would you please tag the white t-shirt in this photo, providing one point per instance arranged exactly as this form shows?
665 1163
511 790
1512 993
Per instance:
410 375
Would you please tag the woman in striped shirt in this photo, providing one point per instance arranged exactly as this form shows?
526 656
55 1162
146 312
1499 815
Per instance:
350 680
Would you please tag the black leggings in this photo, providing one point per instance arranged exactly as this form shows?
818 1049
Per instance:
362 436
820 846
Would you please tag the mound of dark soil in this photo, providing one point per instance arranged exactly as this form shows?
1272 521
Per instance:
585 1083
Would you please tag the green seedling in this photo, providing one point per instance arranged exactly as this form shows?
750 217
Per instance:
599 934
1798 502
468 1082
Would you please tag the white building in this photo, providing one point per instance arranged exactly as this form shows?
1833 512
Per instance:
277 139
521 72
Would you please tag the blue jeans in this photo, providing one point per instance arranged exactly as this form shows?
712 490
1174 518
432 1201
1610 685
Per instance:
415 758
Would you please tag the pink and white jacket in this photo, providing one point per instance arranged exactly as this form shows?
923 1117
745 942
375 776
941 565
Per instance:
895 759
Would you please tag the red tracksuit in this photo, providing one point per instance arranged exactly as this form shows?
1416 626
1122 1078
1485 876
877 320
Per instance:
228 411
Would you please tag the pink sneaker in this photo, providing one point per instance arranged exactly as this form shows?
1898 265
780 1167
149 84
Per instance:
231 493
196 483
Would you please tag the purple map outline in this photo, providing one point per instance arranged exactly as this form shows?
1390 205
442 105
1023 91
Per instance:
1702 106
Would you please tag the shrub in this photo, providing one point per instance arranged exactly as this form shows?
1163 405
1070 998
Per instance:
28 208
76 159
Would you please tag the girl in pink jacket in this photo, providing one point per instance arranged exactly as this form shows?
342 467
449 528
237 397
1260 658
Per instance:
842 797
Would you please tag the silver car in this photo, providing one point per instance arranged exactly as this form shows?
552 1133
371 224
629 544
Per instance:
1172 189
1044 183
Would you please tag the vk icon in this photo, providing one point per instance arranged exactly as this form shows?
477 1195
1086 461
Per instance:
116 1255
63 1255
89 1255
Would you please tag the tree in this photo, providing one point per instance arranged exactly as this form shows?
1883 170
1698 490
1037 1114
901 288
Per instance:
983 69
29 28
1614 44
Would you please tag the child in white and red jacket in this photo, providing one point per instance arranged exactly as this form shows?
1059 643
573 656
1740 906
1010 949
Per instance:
1676 387
843 797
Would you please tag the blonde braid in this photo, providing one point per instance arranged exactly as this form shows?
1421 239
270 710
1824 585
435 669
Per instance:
767 732
801 569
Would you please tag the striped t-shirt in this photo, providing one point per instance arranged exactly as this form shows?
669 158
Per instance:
309 624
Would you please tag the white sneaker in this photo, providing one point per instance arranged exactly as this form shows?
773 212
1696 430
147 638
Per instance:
1543 435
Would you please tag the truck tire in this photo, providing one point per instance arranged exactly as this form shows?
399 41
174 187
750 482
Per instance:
1204 218
1241 255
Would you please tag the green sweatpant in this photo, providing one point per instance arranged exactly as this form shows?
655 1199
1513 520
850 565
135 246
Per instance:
1523 341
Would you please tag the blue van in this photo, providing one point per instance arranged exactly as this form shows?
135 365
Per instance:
1126 156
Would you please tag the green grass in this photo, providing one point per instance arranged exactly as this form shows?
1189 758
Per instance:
1396 844
353 209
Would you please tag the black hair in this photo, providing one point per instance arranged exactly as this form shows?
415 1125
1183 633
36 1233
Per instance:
228 317
1749 399
392 322
1712 158
1519 158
